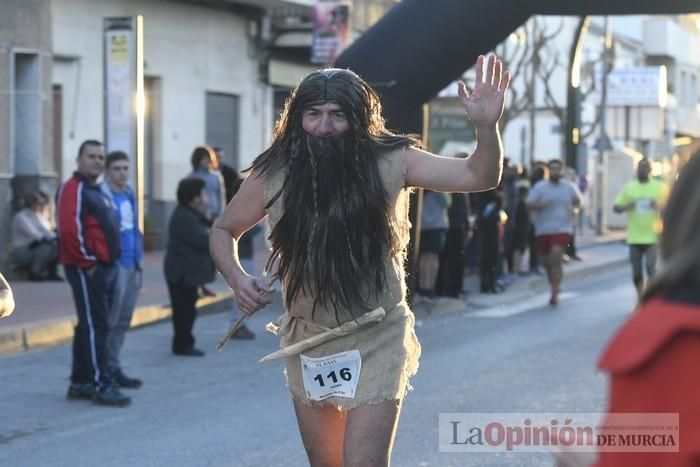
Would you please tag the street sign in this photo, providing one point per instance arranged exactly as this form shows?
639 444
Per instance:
641 87
603 143
120 85
449 128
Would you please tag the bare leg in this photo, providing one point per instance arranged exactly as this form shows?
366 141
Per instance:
544 259
322 431
429 263
369 434
555 265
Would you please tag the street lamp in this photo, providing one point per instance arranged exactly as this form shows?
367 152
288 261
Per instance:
573 95
603 144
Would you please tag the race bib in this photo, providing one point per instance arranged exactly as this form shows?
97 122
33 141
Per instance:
331 376
643 206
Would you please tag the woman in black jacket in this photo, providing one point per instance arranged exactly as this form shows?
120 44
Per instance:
187 262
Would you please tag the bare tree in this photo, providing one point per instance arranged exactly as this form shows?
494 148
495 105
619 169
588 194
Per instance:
531 56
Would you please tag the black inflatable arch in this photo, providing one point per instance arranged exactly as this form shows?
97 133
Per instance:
421 46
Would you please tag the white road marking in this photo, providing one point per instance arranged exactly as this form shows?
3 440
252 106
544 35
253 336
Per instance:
503 311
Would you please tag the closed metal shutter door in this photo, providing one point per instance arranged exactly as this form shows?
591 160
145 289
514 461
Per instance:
223 125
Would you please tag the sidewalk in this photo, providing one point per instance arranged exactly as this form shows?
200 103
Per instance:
599 253
45 313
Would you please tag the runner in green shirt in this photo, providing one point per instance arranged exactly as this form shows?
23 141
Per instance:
642 200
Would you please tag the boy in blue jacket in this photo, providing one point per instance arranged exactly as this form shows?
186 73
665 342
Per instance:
129 276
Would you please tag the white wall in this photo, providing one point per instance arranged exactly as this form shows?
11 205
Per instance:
548 138
191 49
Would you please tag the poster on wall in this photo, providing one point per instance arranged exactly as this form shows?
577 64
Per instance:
331 33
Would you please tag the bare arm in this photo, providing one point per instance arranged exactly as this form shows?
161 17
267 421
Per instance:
620 206
7 301
624 207
622 202
245 210
481 171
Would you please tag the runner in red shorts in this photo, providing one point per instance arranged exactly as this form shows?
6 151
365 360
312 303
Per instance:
552 202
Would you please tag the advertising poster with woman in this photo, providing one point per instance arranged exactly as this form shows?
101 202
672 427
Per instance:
331 30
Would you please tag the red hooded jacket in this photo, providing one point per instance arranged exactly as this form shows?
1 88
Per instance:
654 366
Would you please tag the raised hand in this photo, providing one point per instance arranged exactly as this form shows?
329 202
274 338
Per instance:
484 105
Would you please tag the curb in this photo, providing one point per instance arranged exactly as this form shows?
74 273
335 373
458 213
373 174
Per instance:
31 336
530 287
539 283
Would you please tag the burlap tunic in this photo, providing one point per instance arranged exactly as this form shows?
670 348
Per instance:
389 349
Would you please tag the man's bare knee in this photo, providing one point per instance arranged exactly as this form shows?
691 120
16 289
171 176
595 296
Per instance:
322 432
369 435
366 460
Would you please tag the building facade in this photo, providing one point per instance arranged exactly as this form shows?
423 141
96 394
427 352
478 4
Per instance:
215 72
638 41
26 132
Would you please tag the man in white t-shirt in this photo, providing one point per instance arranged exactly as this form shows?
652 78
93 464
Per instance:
552 202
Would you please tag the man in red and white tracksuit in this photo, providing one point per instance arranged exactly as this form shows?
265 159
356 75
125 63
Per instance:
89 248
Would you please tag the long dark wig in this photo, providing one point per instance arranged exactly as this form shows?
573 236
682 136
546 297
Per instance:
335 232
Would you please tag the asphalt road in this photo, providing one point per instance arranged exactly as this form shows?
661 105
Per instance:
228 410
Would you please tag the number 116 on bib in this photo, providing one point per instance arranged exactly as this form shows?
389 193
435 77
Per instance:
331 376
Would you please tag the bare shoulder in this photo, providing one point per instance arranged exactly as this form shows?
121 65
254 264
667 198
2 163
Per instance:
247 207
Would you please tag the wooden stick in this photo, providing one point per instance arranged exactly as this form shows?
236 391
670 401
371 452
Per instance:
344 329
231 331
239 322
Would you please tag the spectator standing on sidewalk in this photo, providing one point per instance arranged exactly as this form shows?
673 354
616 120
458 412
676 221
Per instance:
491 224
521 227
205 166
452 261
187 263
89 249
642 199
571 251
539 173
433 227
129 273
34 242
232 180
7 300
510 199
552 202
652 360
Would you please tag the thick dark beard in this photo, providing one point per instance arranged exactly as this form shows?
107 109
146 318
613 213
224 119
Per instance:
334 234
